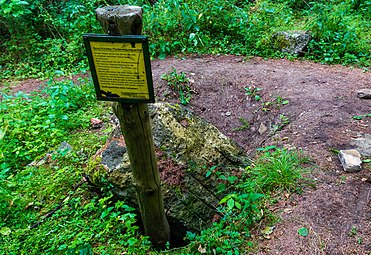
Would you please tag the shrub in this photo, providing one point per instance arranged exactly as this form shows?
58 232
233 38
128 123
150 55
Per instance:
33 124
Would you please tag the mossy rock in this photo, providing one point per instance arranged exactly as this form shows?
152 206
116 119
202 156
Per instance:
293 42
186 146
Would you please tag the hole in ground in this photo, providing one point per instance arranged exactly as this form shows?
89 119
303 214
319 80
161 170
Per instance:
178 231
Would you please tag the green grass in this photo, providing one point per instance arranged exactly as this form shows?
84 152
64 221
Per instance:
79 221
279 169
83 223
179 83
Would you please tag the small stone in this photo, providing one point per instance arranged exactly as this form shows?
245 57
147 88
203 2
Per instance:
287 210
184 123
350 160
367 179
228 114
96 123
65 147
262 129
364 93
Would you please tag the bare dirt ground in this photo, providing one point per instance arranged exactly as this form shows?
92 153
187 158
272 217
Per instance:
322 102
317 119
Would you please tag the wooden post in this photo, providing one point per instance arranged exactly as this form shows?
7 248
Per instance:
135 126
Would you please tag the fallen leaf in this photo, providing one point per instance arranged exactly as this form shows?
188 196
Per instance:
201 250
303 232
287 210
267 231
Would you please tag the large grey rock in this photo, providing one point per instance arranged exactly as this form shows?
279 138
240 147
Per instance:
351 160
186 147
293 42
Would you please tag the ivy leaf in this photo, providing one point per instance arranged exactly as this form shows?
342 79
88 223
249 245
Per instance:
132 241
303 232
238 205
230 203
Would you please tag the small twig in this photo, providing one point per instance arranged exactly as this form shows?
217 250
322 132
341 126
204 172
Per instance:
50 213
306 3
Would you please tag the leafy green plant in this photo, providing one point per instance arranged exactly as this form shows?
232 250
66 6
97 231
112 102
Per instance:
245 125
223 237
243 200
37 38
180 83
360 117
281 101
32 124
336 33
277 103
253 92
353 231
283 121
51 199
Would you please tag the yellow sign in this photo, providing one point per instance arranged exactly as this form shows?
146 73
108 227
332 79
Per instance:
120 69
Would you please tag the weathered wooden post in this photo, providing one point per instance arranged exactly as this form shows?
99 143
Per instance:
135 126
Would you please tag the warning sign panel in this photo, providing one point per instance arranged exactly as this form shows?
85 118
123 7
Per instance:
120 67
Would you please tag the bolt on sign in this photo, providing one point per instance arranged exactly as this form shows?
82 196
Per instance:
120 67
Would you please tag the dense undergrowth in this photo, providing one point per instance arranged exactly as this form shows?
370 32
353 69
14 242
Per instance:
51 207
38 37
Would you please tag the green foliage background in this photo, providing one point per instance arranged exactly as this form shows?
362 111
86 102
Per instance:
37 37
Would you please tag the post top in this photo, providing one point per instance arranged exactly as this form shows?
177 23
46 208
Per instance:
120 19
117 11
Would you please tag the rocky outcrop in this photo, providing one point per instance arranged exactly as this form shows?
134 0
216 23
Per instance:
187 147
187 137
293 42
